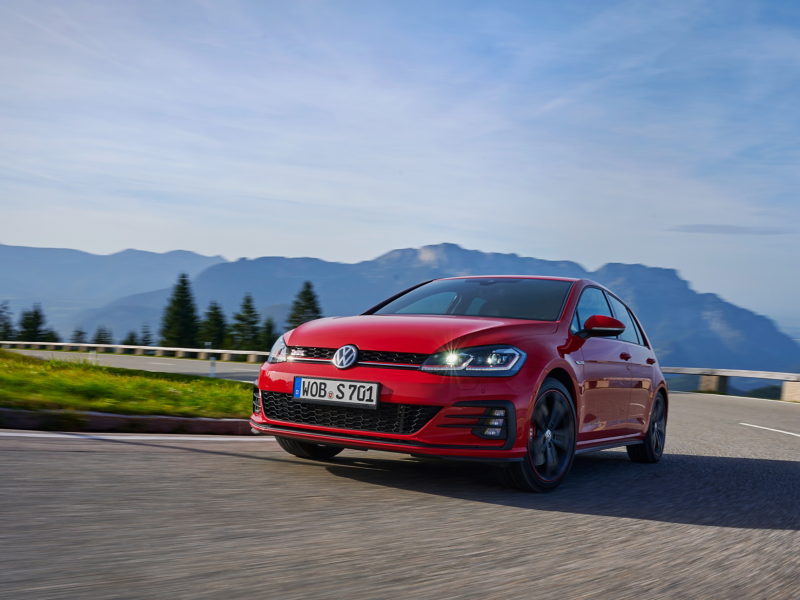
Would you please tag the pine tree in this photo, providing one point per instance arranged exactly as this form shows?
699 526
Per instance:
305 307
103 335
147 338
78 336
131 339
214 326
32 325
6 323
245 330
51 336
179 324
269 334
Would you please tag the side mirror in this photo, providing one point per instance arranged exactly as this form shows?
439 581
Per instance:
601 326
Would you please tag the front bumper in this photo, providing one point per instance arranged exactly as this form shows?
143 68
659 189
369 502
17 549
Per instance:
460 406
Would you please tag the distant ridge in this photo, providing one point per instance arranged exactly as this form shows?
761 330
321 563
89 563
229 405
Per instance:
68 281
688 328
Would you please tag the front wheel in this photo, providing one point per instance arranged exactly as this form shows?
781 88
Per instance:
653 447
551 442
307 450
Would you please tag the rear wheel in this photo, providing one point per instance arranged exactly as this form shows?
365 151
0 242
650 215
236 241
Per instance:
551 442
307 450
653 447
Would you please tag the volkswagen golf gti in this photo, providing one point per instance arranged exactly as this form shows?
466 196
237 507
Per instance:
522 372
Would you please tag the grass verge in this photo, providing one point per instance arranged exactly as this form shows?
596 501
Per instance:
33 384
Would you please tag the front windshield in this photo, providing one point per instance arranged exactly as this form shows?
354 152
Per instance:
507 298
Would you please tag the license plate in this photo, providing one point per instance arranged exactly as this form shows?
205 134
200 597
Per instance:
335 391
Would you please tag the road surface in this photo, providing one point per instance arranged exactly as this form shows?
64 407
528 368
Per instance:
137 516
227 370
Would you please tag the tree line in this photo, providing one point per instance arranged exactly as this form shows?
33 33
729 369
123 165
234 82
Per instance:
181 325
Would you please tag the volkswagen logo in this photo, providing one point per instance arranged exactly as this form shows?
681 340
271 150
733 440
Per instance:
345 356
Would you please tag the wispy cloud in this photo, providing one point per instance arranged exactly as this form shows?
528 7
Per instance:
344 129
732 229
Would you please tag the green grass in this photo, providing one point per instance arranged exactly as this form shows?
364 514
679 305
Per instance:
34 384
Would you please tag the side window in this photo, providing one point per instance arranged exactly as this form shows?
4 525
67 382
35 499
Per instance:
592 302
574 327
621 313
638 328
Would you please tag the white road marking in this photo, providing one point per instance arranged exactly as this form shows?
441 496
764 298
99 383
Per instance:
770 429
164 438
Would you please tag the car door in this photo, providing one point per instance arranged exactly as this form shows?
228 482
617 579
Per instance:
640 371
642 362
606 375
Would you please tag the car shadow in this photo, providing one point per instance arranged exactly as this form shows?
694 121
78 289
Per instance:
693 490
687 489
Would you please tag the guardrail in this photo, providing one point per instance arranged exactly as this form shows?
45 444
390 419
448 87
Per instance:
711 380
716 380
201 353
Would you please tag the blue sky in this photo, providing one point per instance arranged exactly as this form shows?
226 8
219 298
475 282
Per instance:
663 133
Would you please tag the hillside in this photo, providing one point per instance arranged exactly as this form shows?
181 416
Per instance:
67 281
688 328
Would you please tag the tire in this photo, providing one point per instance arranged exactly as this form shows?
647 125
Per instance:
307 450
653 447
551 444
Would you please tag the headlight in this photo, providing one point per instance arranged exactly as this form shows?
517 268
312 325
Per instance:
481 361
278 352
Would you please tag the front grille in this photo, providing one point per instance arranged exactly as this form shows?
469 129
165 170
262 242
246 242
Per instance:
387 418
315 353
404 358
369 356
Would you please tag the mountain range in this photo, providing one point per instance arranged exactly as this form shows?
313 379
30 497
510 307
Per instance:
124 290
68 282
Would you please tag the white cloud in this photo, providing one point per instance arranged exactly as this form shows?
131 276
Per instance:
345 130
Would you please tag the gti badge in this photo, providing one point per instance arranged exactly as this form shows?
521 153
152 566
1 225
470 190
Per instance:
345 356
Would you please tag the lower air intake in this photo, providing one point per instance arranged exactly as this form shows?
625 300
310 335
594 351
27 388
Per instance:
387 418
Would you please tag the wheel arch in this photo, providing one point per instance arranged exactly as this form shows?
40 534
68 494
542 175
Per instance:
562 376
662 389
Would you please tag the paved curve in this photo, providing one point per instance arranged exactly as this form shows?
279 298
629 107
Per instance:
188 366
191 517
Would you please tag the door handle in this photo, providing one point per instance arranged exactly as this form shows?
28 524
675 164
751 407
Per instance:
625 356
651 361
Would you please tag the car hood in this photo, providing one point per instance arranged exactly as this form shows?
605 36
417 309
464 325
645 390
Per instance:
413 333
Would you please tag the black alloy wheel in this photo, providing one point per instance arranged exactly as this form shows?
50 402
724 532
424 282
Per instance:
308 450
551 442
653 447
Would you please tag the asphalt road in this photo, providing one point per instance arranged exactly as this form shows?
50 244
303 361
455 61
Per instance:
187 366
193 517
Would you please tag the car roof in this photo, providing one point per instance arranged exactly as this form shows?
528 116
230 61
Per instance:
510 277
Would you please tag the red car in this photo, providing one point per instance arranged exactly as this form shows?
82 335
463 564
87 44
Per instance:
521 372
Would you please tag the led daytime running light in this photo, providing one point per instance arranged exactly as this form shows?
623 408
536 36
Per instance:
492 361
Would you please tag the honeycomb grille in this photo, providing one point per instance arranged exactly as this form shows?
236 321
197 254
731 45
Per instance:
378 356
387 418
317 353
405 358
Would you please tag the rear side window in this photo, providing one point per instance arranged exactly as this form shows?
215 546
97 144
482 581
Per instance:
592 302
638 329
621 313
